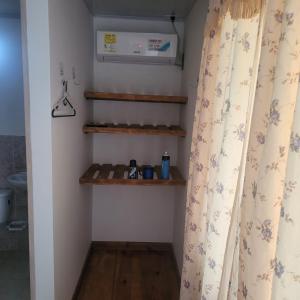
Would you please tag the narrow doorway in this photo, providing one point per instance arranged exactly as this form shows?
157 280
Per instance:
14 242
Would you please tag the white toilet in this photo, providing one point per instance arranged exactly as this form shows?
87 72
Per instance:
5 198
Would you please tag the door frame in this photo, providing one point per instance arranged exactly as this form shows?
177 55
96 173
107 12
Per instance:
37 103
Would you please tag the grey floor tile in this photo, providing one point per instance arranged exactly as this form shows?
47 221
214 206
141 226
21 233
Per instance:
14 266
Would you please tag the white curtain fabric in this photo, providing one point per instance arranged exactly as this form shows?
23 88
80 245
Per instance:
243 183
270 222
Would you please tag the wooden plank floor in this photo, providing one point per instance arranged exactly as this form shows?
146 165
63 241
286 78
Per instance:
129 271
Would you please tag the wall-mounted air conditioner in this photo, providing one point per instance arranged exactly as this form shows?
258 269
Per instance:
131 47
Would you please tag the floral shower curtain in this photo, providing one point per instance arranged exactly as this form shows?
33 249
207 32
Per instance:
270 212
242 208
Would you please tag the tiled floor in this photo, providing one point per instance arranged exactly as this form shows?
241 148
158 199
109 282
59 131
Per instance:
14 265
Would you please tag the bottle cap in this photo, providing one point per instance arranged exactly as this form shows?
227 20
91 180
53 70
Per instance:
166 156
133 162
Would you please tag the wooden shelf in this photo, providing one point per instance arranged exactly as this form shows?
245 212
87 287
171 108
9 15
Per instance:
91 95
117 175
134 129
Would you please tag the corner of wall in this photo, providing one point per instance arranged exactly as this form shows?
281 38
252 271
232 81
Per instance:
194 28
38 128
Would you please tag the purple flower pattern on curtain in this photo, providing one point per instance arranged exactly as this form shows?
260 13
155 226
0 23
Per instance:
243 213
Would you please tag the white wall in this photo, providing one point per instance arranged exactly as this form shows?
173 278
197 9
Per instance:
136 78
39 147
70 47
134 213
194 28
11 78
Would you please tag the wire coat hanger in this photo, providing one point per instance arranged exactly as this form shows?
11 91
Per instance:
63 108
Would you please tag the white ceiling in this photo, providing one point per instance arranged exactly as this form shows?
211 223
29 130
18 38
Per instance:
10 8
140 8
122 8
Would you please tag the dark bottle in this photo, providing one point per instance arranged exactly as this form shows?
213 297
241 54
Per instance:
133 173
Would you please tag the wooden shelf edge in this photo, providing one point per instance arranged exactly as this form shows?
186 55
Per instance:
98 175
140 182
135 130
92 95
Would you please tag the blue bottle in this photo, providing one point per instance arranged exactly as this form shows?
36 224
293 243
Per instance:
165 166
